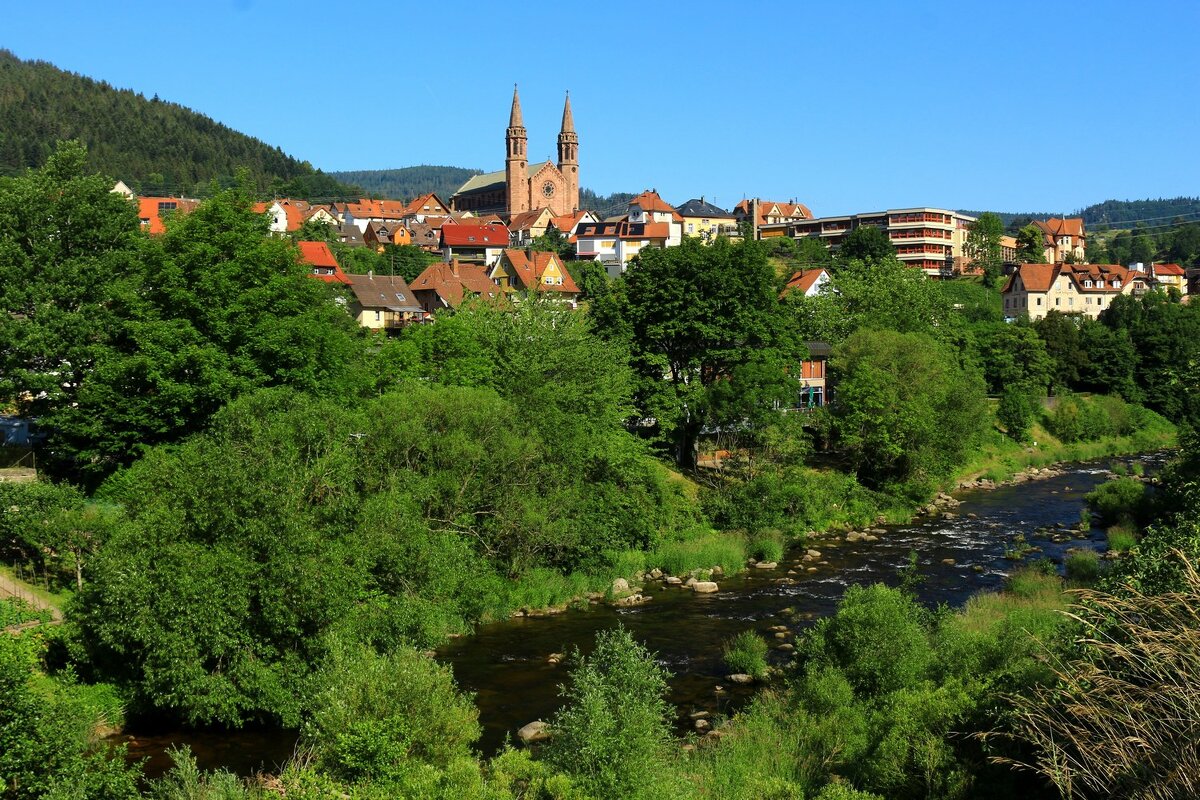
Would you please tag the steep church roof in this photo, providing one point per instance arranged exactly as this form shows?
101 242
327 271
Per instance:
488 181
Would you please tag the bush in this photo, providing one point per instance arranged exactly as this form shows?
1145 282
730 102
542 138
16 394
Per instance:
1016 413
379 717
1066 421
613 735
1120 501
767 546
747 653
1083 566
1121 538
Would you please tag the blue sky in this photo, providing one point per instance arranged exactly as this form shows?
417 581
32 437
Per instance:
1009 106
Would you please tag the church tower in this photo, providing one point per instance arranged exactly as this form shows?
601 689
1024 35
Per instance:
568 155
517 160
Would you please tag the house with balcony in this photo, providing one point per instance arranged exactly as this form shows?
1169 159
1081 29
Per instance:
1169 276
1034 290
615 244
648 208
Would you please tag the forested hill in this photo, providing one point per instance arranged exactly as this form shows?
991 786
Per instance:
154 146
1118 213
408 182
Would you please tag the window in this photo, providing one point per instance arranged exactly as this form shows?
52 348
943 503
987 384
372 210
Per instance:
1116 284
1039 301
1058 301
691 228
378 316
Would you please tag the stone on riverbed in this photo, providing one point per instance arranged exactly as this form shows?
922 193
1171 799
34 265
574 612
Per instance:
620 586
536 731
671 580
813 553
766 565
656 573
704 587
740 677
631 600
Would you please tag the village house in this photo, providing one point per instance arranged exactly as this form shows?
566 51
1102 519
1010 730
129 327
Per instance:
425 206
446 285
365 211
151 211
1169 276
648 208
1063 239
534 271
814 393
526 226
473 244
705 220
383 302
380 234
322 263
1034 290
426 235
614 244
568 224
808 282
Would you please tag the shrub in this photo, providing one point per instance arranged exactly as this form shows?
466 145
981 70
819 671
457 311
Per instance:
1016 413
378 717
747 653
1121 538
767 546
1083 566
1120 501
1066 421
613 735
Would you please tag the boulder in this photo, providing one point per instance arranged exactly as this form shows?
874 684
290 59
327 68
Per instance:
656 573
536 731
740 677
766 565
671 580
702 725
718 572
787 647
690 582
948 562
704 587
631 600
813 553
554 659
620 586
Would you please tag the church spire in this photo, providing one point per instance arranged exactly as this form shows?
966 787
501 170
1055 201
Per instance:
568 123
514 119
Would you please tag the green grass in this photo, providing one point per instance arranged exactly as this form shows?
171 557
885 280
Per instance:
701 551
747 653
767 546
1083 567
1121 537
14 611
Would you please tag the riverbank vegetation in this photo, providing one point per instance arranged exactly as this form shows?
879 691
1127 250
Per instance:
265 516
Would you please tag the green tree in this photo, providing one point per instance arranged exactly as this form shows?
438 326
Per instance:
1014 356
554 241
1030 245
983 246
1060 333
613 733
701 315
866 243
906 411
1016 412
1185 244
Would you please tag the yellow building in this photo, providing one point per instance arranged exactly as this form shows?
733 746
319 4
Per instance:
705 220
1034 290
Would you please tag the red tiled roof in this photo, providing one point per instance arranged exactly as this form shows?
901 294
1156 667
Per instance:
525 219
436 206
531 265
1034 277
489 234
765 207
149 209
1072 226
376 209
803 280
318 256
1169 269
452 281
1040 277
650 201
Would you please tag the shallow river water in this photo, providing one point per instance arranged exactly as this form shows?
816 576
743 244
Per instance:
505 664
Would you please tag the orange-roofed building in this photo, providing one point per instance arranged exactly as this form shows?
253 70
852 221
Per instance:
1169 276
770 212
807 282
446 285
366 210
427 205
1034 290
380 234
322 263
568 225
1062 238
649 208
151 211
526 226
534 271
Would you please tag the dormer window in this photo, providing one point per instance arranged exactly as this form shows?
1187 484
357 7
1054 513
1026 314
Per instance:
1116 283
1087 284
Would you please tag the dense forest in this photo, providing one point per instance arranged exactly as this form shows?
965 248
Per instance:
156 147
406 183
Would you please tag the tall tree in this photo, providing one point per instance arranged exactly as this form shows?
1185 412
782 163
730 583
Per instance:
1030 249
698 315
983 246
866 243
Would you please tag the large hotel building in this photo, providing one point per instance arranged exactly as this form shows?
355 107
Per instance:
929 238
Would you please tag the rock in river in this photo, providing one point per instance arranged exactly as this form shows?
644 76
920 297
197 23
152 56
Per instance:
536 731
704 587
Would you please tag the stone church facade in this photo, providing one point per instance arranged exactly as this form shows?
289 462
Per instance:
520 187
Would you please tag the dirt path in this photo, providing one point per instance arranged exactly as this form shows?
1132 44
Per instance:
10 587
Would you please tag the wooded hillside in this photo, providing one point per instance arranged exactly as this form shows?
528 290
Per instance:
154 146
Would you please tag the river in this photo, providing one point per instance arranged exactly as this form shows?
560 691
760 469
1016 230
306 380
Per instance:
506 664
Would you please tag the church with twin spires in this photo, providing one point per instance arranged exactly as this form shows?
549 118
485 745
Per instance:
520 187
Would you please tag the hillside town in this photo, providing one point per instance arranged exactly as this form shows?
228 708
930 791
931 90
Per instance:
488 236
